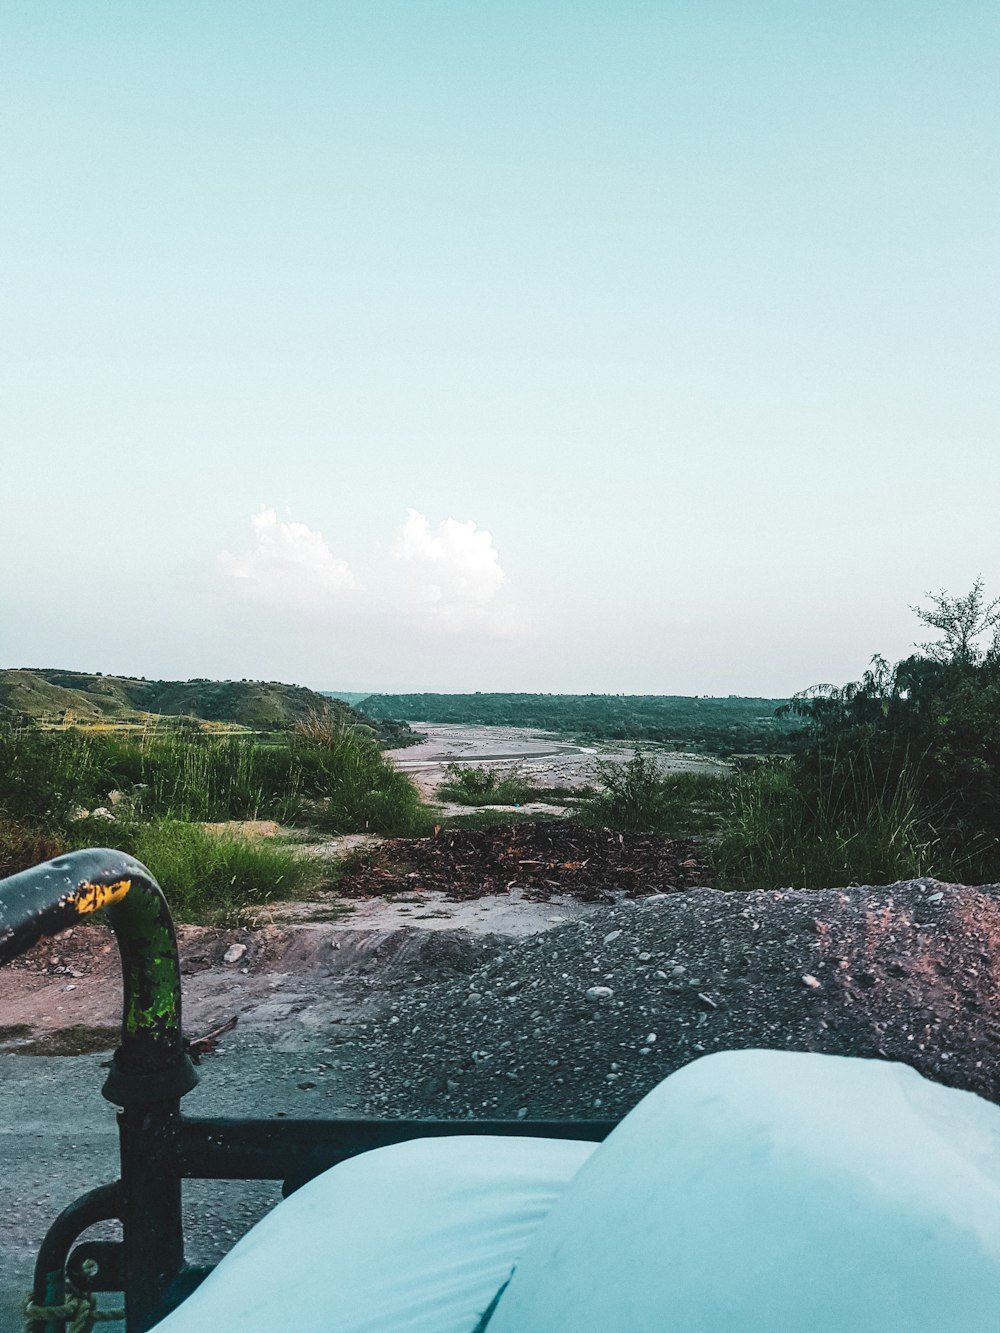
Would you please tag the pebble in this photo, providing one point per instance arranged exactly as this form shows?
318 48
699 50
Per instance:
234 953
812 982
597 994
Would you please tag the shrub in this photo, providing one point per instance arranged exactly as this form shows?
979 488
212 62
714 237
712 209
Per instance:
639 797
338 772
467 785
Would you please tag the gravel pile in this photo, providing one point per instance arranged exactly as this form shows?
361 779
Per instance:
583 1020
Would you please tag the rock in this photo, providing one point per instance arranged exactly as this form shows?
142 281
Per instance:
812 982
598 994
234 953
611 935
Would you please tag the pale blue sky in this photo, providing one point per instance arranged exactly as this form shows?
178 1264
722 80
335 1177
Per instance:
692 307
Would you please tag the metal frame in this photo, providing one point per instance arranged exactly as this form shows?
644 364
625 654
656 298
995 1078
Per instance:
150 1073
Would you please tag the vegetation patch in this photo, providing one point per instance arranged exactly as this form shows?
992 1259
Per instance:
639 797
211 877
478 785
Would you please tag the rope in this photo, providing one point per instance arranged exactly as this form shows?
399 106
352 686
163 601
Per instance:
80 1308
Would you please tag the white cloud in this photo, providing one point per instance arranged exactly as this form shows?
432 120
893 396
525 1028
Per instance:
455 569
287 562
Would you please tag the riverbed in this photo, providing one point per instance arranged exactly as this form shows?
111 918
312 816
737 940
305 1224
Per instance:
549 760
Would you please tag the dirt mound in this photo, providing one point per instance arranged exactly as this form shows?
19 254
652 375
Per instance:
583 1020
593 865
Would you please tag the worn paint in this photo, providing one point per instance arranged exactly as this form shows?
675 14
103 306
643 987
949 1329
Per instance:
92 897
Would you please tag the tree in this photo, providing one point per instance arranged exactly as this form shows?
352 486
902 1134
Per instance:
963 621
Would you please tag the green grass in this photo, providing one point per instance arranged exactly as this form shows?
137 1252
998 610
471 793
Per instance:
468 785
334 777
208 877
777 830
775 825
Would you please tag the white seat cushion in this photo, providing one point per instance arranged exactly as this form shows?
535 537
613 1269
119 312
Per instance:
414 1238
767 1192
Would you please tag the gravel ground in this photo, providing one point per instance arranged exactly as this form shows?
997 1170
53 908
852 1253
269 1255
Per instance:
579 1021
583 1020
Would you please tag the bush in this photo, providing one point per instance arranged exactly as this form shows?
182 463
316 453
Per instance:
467 785
639 797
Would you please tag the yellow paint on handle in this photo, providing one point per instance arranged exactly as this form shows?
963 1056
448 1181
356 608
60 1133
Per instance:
92 897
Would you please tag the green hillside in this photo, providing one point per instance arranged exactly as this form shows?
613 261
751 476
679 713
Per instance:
45 695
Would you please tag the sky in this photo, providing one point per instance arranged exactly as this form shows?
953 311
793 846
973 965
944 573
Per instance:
632 348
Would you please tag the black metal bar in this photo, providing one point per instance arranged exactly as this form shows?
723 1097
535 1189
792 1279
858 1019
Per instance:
98 1205
151 1071
297 1150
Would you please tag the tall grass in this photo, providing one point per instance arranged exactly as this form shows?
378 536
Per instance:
337 778
779 829
207 877
778 824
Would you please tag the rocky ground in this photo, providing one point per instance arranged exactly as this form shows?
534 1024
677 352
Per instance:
416 1003
585 1019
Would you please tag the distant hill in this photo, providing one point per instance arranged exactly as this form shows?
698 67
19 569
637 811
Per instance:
46 695
722 726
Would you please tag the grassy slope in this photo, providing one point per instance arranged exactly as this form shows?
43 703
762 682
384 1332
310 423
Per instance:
252 703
